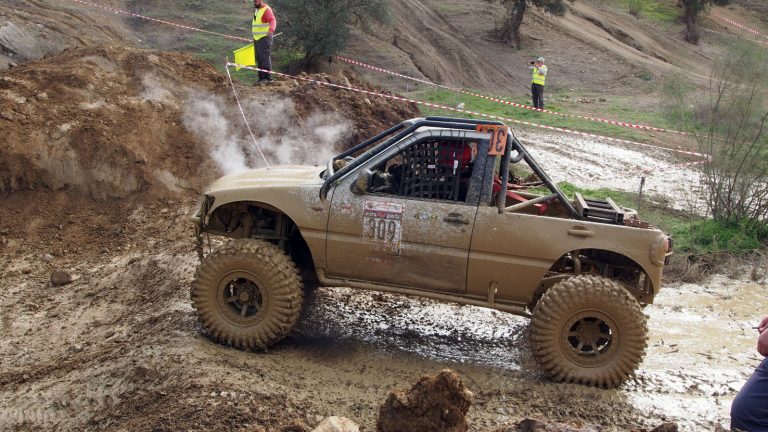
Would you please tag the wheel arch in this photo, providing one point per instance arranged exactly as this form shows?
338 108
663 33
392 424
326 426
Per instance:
615 265
261 220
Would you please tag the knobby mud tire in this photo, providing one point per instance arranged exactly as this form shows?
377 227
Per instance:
576 310
275 278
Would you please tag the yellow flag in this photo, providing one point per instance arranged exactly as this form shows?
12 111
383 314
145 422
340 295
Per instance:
245 56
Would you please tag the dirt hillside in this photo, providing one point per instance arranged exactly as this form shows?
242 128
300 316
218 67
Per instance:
596 46
112 121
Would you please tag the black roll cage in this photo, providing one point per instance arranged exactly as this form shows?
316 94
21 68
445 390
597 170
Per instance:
407 127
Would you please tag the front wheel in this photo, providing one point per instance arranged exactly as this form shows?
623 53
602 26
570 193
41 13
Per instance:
589 330
248 294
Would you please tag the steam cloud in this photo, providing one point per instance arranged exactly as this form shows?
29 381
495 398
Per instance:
284 138
154 90
203 116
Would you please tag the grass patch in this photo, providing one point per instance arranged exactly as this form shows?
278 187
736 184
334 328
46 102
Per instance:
616 110
660 11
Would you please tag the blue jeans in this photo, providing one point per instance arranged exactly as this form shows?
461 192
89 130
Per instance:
749 411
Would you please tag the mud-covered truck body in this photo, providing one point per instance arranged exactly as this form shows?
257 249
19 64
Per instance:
420 210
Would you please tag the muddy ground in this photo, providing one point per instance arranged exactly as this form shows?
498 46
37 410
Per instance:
120 348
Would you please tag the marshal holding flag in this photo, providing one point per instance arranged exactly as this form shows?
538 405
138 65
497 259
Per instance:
260 51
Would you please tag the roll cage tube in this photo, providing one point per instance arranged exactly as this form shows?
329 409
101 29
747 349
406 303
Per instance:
407 127
518 146
412 125
522 154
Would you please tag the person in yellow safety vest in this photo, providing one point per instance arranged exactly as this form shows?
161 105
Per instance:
537 84
263 27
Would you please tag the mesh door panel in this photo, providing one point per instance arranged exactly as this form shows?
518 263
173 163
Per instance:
432 169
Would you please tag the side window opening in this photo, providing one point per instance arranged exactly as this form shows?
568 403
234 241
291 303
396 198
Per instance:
435 168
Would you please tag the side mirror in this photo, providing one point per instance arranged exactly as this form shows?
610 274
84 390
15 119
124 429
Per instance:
363 182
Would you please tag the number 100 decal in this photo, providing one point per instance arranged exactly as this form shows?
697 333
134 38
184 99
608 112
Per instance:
383 224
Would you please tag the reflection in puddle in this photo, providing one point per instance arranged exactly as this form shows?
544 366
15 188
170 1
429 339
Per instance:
437 331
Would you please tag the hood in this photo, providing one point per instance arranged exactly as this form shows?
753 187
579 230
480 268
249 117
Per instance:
278 176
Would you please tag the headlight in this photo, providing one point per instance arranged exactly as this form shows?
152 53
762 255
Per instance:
202 209
660 249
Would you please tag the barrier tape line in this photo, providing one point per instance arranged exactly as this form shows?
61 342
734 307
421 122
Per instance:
505 102
585 134
613 122
475 113
123 12
739 25
245 118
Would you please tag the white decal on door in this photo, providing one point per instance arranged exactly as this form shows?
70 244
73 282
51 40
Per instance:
382 225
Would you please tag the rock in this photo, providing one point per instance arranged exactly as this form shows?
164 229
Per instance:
434 403
337 424
47 258
74 349
8 115
602 99
666 427
41 96
60 277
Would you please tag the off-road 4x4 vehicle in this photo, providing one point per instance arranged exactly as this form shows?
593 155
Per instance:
420 210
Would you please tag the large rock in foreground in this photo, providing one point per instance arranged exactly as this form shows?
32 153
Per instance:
436 403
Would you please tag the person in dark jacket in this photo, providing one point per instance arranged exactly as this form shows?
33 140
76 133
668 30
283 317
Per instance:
749 411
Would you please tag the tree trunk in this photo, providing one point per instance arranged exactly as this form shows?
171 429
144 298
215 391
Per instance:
510 33
692 33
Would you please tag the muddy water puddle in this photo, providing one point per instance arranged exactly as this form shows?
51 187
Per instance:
701 349
439 331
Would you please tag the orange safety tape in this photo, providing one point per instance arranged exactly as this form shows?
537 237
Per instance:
586 134
119 11
739 25
475 113
505 102
596 119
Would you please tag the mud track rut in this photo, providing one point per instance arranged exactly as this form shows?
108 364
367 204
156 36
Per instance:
120 348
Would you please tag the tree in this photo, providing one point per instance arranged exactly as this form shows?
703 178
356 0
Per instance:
510 29
320 28
730 123
692 9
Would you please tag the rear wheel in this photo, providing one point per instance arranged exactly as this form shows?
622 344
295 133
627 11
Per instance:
248 294
589 330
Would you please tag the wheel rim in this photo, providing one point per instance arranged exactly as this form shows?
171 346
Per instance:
590 338
241 298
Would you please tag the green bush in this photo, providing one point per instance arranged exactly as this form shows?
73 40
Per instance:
636 7
712 235
194 5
